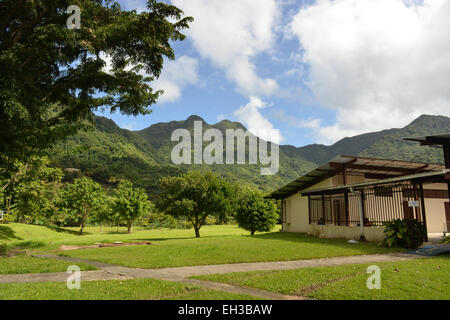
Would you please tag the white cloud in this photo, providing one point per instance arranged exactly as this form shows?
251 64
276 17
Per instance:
378 63
230 33
250 116
175 76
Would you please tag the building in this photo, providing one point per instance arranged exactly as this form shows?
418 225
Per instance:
351 196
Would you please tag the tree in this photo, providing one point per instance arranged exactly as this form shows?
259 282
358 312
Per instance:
33 189
53 77
195 196
81 199
254 213
105 212
130 203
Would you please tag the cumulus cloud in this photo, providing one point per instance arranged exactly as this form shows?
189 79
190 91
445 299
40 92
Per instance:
252 118
230 33
377 63
175 76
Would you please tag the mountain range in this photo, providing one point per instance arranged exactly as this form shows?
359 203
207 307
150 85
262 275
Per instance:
107 153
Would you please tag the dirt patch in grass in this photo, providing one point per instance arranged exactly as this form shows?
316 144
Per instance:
308 290
103 245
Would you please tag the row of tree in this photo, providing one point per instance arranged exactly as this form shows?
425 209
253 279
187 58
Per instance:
37 195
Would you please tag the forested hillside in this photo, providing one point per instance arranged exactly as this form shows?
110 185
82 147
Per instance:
107 152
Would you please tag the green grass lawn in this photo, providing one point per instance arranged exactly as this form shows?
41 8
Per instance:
427 279
225 249
141 289
25 264
172 248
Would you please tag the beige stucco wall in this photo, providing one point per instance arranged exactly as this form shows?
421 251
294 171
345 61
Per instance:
435 210
371 234
297 212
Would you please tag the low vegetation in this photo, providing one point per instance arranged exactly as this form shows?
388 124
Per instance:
408 234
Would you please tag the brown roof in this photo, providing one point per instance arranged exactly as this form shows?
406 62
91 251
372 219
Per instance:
373 168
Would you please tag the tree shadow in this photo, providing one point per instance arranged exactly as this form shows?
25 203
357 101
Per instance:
30 245
6 233
62 230
305 238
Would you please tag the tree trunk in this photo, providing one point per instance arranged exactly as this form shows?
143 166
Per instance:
81 229
253 233
130 227
101 228
197 232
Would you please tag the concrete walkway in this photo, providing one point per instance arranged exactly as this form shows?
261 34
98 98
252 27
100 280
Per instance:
181 274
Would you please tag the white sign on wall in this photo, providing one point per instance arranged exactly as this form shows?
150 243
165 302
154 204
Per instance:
413 204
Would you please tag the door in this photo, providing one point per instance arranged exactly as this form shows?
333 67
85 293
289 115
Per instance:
408 211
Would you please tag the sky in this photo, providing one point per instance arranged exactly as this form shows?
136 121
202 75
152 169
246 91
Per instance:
317 71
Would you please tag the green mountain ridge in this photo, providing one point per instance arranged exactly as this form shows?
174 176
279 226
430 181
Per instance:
107 152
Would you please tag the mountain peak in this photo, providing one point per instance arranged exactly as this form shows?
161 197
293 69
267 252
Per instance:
195 118
427 119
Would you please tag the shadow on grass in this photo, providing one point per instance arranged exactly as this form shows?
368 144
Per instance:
30 245
62 230
365 247
6 233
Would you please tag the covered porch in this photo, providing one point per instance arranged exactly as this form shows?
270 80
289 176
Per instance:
360 210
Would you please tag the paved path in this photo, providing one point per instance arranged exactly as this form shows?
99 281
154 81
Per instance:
181 274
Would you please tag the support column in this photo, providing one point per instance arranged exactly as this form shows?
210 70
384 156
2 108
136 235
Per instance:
424 214
446 148
362 213
347 210
323 209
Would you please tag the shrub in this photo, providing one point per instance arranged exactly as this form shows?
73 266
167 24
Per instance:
408 234
3 249
161 220
254 213
445 240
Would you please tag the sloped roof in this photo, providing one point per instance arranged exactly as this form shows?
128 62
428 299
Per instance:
369 167
418 177
433 140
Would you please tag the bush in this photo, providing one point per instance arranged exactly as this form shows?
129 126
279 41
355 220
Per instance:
3 249
161 220
445 240
408 234
254 213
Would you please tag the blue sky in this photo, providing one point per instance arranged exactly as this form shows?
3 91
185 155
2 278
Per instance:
315 70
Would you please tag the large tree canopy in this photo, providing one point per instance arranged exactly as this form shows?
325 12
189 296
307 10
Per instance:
196 196
52 77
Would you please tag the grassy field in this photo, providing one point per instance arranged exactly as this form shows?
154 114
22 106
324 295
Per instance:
26 264
427 279
171 248
418 279
142 289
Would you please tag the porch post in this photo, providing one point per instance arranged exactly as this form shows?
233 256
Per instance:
309 209
424 215
347 210
361 212
446 148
